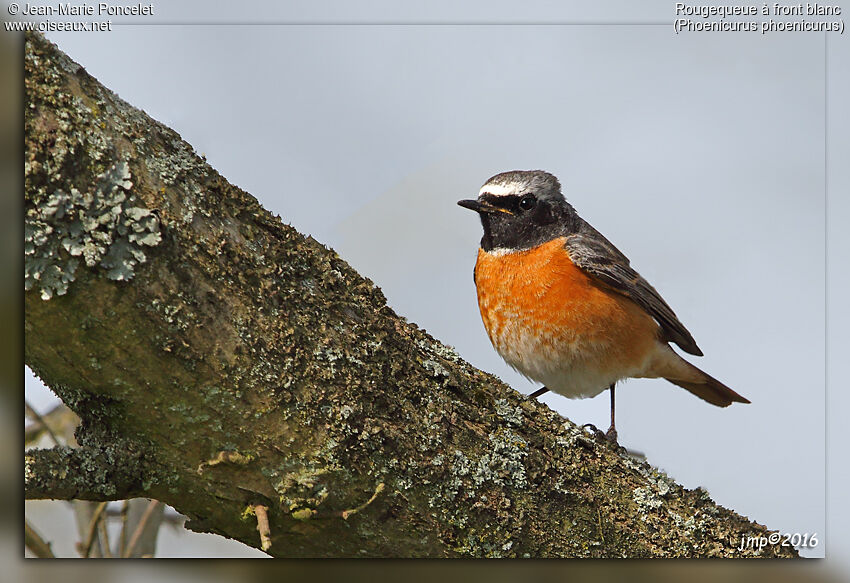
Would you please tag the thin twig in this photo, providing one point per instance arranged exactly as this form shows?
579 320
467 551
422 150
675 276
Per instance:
92 532
309 513
35 416
346 513
39 547
263 526
122 540
599 515
230 457
140 528
104 536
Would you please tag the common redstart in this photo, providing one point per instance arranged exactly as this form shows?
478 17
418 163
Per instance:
562 305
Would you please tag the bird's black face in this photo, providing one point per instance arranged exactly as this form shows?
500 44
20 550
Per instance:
521 210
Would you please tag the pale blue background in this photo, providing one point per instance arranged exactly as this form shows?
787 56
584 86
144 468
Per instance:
701 156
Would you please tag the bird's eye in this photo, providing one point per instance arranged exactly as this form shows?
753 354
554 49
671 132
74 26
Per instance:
527 202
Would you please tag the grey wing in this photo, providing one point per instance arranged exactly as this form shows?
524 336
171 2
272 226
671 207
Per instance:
597 256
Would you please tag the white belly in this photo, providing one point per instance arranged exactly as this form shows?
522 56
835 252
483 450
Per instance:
575 368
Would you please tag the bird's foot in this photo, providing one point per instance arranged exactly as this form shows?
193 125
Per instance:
610 436
594 429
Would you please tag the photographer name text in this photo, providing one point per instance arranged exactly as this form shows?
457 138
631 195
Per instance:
99 9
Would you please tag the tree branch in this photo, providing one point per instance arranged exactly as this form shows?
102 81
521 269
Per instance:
179 319
37 545
86 545
64 473
39 426
152 514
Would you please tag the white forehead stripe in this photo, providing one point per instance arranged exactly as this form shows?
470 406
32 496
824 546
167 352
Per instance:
500 189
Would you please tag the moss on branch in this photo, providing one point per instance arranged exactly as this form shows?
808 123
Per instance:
65 473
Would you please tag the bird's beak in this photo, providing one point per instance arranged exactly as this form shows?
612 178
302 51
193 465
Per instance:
472 205
482 207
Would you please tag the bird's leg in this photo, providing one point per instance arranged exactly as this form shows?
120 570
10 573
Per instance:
611 434
538 392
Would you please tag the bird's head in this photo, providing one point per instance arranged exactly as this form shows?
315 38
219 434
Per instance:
520 210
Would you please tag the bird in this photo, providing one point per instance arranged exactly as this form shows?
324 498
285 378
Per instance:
563 306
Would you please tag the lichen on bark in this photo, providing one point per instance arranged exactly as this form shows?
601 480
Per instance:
243 365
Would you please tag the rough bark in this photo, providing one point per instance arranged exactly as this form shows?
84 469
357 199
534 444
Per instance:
221 361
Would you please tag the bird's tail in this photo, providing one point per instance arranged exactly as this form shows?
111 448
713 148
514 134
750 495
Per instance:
667 364
705 386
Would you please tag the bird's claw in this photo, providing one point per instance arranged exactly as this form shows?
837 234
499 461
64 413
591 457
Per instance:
594 429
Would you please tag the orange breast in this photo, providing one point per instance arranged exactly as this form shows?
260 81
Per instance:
546 317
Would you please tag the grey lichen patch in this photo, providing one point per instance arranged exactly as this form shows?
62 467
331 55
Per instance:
440 350
512 415
646 499
435 369
503 465
84 472
662 482
103 227
176 167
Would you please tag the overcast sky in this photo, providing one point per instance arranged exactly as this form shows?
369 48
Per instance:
701 156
